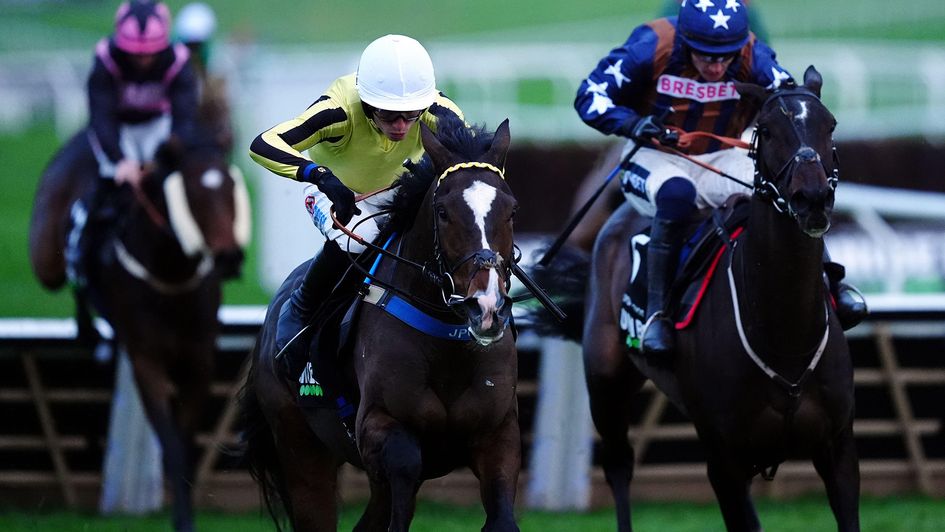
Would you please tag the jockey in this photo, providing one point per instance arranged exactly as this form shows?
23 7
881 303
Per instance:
194 26
141 91
686 64
358 135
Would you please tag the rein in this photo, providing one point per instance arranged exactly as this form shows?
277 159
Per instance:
685 140
149 208
762 186
442 277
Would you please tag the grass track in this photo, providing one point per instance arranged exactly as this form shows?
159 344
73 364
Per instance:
907 514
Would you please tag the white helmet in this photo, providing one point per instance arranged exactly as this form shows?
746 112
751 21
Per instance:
396 74
195 23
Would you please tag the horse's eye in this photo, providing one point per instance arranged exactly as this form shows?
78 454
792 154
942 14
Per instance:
441 214
765 132
514 212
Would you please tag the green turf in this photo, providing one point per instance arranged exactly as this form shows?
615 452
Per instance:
24 156
900 514
55 24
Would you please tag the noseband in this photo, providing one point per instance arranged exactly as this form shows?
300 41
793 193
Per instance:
767 188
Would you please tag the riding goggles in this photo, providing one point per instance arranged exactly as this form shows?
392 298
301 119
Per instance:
712 58
392 116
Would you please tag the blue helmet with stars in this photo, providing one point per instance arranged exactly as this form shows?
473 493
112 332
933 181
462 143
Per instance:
716 27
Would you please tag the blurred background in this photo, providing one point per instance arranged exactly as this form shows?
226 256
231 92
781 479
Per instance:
883 65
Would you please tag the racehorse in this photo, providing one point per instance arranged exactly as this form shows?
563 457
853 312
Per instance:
763 370
158 277
429 402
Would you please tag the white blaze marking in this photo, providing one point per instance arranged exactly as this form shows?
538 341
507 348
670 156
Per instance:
803 115
212 178
479 196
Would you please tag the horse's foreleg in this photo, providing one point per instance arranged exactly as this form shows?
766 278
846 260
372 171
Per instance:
612 383
393 461
496 461
193 391
732 490
155 389
837 465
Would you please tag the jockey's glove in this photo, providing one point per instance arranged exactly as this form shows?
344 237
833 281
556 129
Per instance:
650 127
341 197
128 171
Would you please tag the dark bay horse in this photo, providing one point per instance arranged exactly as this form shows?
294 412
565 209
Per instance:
763 370
428 403
158 278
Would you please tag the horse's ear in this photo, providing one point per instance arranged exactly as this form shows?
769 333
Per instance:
438 153
813 80
754 94
500 145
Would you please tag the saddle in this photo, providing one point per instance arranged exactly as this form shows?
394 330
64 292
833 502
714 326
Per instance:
328 340
698 258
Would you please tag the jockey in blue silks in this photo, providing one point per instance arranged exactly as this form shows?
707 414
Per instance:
688 63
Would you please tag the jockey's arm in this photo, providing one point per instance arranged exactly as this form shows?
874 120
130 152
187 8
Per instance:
103 110
183 96
279 149
765 68
603 99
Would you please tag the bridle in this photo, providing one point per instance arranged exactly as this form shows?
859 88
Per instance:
482 259
436 271
766 188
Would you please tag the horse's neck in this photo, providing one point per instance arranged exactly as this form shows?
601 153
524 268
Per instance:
153 245
417 245
779 273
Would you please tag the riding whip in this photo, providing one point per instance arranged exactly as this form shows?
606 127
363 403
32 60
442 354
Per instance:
579 215
539 293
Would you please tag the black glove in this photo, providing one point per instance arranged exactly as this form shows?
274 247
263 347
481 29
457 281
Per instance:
646 128
342 198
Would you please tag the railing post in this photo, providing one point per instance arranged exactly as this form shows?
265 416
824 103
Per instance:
559 472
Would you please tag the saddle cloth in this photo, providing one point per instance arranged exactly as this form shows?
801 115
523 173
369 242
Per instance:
700 255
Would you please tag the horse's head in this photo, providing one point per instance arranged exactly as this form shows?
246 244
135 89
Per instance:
795 161
472 211
207 201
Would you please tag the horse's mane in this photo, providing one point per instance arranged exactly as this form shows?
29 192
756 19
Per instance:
466 142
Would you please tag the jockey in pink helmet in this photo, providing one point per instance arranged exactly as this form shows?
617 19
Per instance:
142 27
141 91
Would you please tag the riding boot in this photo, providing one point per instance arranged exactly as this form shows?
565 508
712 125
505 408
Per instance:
100 213
850 305
658 339
324 272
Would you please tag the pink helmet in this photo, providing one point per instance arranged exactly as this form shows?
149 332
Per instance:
142 27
